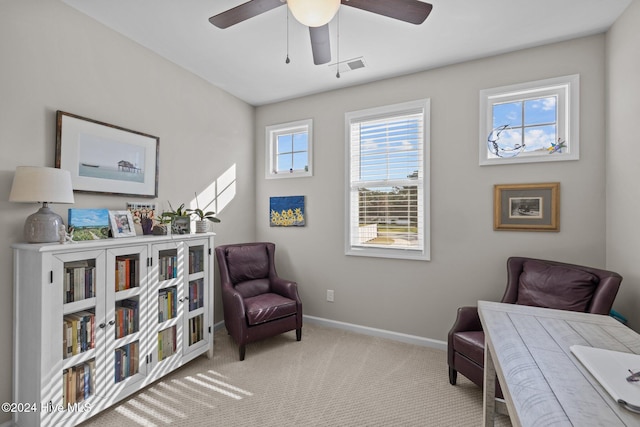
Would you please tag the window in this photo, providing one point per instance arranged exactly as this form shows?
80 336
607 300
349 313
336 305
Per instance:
289 148
387 189
530 122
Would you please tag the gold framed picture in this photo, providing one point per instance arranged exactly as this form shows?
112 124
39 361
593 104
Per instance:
527 207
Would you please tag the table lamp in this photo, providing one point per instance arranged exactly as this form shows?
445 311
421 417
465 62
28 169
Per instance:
33 184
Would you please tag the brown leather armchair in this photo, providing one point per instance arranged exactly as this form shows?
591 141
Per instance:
257 304
533 282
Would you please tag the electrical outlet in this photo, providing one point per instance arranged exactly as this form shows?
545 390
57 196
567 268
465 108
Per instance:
330 295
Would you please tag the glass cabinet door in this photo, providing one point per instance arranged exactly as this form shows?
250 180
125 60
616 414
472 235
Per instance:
126 301
77 342
196 320
165 310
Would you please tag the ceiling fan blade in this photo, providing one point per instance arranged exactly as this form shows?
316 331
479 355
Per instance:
320 45
411 11
243 12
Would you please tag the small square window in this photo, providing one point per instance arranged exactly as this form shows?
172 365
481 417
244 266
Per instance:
530 122
289 150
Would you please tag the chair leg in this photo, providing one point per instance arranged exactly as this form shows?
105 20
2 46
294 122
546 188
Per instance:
241 351
298 334
453 376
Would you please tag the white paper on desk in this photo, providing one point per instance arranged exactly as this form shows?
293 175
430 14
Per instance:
611 369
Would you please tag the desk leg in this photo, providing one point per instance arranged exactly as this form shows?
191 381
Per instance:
489 398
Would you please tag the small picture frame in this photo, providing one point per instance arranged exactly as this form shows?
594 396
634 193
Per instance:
122 224
182 225
144 216
527 207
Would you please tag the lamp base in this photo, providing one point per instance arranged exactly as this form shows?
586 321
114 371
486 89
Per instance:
43 226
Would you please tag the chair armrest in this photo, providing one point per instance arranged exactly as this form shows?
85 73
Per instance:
286 288
234 311
467 320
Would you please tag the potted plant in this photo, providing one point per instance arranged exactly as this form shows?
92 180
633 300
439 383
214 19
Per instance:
203 217
178 218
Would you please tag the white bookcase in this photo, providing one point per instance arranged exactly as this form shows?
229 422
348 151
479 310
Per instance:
97 321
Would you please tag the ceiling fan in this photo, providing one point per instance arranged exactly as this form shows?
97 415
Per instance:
316 14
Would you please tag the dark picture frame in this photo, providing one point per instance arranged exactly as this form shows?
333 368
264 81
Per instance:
107 159
527 207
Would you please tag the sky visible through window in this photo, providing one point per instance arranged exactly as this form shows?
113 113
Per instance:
292 151
532 122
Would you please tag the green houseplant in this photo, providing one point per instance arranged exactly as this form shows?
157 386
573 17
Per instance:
203 217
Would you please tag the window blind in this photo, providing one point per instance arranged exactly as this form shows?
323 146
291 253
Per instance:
386 181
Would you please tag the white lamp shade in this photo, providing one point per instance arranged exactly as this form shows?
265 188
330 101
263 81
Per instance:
313 13
40 184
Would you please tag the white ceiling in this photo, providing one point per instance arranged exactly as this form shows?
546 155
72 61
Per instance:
248 59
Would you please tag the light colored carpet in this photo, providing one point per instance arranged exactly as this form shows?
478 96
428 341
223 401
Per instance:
331 378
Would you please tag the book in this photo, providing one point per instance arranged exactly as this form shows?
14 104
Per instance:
611 369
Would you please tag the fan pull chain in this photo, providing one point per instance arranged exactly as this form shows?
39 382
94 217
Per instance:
286 61
338 45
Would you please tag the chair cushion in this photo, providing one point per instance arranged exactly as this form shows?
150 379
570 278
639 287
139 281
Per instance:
553 286
471 344
247 262
251 288
266 307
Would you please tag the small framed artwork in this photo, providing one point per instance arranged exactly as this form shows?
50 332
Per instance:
88 224
122 224
287 211
527 207
104 158
182 225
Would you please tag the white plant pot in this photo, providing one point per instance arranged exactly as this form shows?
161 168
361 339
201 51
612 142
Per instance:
202 226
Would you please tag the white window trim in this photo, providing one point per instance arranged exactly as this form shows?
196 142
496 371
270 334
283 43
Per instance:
409 254
567 88
270 154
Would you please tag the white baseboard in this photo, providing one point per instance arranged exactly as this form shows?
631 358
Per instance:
365 330
216 327
381 333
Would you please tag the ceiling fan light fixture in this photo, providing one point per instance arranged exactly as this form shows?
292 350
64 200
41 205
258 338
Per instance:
313 13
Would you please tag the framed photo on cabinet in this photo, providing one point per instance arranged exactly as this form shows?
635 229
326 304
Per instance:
122 224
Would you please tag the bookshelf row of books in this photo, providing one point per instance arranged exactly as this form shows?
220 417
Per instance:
78 333
196 260
127 272
79 281
126 317
167 307
196 294
168 267
78 382
196 330
126 360
166 343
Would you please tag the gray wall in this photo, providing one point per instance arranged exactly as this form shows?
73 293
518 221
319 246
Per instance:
54 58
623 172
468 256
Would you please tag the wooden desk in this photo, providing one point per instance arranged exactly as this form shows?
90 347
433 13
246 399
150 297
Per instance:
542 382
